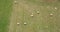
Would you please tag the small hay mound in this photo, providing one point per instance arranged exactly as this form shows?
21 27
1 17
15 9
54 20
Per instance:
18 23
25 23
32 15
51 14
15 2
37 12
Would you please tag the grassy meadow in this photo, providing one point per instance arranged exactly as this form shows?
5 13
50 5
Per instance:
5 10
42 22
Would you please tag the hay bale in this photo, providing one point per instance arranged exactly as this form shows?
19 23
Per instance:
56 8
15 2
32 15
18 23
37 12
25 23
51 14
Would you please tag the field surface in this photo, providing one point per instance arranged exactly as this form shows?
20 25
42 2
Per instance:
42 22
48 19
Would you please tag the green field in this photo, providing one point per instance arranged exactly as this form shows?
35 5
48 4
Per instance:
5 10
41 22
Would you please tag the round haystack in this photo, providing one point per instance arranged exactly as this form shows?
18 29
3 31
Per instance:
31 15
56 8
15 2
37 12
18 23
25 23
51 14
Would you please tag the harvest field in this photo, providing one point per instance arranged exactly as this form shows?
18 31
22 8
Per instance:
29 16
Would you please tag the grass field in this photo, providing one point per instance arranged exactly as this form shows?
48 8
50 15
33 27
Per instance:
42 22
5 9
21 12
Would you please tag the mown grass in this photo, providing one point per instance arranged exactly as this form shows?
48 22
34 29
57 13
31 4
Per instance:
5 10
42 22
